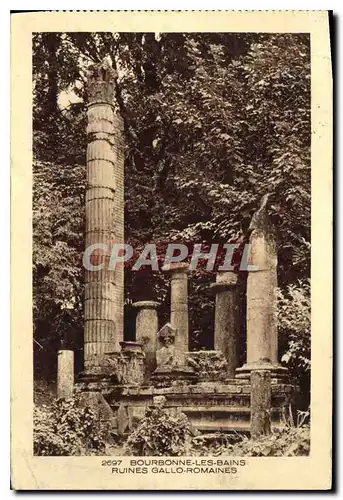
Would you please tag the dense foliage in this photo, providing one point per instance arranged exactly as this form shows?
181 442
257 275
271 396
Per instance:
213 121
65 428
58 229
294 315
286 442
160 434
292 440
289 442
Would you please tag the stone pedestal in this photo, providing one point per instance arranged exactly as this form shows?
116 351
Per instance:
211 407
146 332
179 308
103 286
169 371
226 318
65 374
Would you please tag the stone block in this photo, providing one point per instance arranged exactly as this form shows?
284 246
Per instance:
135 415
122 419
65 374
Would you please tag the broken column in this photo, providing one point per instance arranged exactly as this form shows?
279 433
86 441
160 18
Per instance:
65 374
262 348
179 307
226 318
146 332
103 287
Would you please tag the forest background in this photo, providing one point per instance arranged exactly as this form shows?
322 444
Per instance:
212 122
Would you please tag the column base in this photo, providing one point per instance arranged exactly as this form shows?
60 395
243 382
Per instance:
278 373
100 368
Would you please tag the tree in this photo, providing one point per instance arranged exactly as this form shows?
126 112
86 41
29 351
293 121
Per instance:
58 234
294 320
212 123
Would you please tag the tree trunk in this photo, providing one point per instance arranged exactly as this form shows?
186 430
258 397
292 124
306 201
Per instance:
52 43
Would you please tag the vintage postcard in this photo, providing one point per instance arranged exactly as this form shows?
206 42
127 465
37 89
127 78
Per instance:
171 250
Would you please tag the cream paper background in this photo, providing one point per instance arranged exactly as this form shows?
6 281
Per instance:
84 473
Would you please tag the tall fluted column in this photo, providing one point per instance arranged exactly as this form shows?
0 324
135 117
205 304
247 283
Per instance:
103 296
226 316
179 308
146 332
118 224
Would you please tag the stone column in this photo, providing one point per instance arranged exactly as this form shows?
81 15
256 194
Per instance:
65 374
103 295
146 332
261 291
226 316
179 308
118 224
260 404
262 341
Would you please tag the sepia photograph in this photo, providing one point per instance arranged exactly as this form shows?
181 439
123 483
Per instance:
172 223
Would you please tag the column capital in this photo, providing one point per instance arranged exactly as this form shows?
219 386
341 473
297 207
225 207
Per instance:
130 346
101 83
224 280
176 267
146 304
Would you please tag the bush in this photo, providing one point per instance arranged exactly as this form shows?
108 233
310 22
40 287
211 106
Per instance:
66 428
213 445
160 433
289 442
294 322
44 392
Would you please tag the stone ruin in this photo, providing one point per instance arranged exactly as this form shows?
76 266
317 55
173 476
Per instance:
122 378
